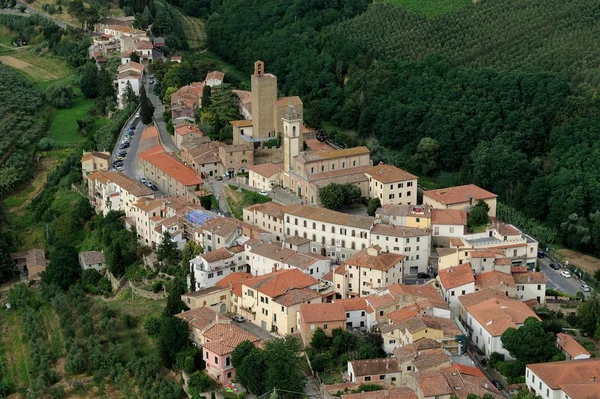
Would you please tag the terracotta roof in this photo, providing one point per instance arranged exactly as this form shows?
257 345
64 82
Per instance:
340 176
408 352
131 65
457 242
303 261
575 377
216 75
322 312
381 261
328 276
129 74
244 96
389 174
354 304
241 123
398 393
271 208
285 101
483 254
92 257
423 291
479 296
398 231
570 345
461 368
224 338
216 255
458 194
149 132
126 183
202 317
206 153
446 251
273 251
172 167
187 128
448 381
220 226
505 229
321 155
432 359
530 278
295 296
296 240
329 216
456 276
277 283
406 313
497 315
95 154
494 280
317 145
380 301
422 322
375 366
234 281
266 169
34 272
449 217
422 211
126 29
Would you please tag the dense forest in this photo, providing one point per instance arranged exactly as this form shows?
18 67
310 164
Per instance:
502 93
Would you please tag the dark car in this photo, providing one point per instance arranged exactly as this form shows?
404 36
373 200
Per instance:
124 145
153 187
122 153
118 163
497 384
554 266
422 275
541 254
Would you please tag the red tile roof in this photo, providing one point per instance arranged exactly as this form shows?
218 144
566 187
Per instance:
224 338
277 283
322 312
381 261
203 317
575 377
234 280
266 169
456 276
494 280
375 366
399 393
497 315
530 278
458 194
389 174
171 167
570 346
449 217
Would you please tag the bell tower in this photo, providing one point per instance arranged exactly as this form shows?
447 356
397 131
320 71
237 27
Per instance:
292 136
264 96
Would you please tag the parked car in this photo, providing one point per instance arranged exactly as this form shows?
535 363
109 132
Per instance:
120 168
239 319
585 288
263 192
117 163
565 274
137 115
219 178
122 152
124 145
497 384
153 187
143 180
422 275
121 158
541 254
554 266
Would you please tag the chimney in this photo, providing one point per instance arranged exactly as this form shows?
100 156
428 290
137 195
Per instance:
217 319
486 386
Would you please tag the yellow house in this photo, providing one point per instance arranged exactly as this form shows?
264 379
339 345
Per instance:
421 326
272 301
216 298
392 185
93 161
418 216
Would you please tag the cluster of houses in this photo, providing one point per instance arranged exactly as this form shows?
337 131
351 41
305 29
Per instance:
296 268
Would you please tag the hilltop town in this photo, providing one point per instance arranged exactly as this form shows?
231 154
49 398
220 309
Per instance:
212 232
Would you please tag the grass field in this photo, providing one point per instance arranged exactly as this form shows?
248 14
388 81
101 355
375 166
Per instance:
14 348
433 8
228 68
194 30
41 69
64 122
237 201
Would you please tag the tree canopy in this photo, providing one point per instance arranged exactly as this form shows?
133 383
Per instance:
530 343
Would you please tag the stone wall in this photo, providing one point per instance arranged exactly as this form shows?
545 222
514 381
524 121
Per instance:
116 283
266 155
147 294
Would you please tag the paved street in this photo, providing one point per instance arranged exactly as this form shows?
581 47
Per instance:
558 282
165 137
217 189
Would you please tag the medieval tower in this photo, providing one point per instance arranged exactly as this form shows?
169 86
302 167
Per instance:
264 96
292 136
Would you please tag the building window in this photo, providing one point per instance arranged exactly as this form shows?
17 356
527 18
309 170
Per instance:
325 326
367 378
312 326
211 275
382 377
227 361
216 360
229 374
408 368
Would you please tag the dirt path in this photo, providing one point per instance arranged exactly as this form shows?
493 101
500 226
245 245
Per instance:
588 263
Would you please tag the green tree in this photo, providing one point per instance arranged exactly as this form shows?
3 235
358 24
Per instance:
6 263
588 314
60 95
253 370
175 289
241 351
89 80
206 93
64 269
479 213
530 343
374 204
129 95
320 341
284 372
168 94
426 156
172 339
199 383
167 249
146 107
352 194
332 196
134 57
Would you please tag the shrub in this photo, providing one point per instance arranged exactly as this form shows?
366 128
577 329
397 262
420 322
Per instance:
152 326
60 95
157 286
130 321
46 144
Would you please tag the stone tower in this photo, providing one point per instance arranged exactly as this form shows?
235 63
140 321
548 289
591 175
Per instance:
264 96
292 136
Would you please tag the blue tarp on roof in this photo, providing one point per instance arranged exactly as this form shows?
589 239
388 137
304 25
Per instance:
199 217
